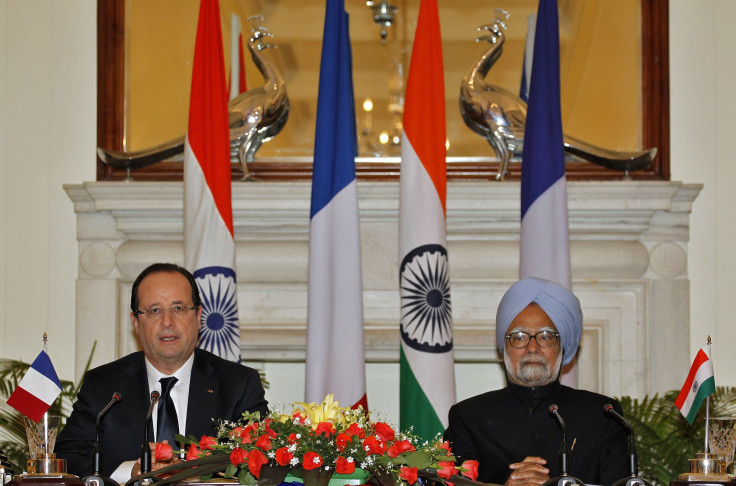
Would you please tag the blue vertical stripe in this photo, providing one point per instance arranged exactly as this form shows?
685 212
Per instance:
335 145
544 157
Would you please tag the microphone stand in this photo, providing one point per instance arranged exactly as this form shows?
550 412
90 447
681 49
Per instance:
564 479
97 479
633 479
146 447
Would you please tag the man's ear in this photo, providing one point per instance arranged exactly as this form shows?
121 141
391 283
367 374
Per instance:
134 321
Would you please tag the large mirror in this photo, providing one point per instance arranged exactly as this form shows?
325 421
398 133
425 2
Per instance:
613 76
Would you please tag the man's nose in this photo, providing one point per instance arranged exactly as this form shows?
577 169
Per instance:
168 318
533 346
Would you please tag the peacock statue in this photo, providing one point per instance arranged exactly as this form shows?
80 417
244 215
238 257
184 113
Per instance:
255 116
500 116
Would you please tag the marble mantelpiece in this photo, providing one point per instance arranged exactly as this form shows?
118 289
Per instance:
628 246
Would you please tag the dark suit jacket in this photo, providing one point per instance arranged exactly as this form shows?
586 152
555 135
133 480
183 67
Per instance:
504 426
219 389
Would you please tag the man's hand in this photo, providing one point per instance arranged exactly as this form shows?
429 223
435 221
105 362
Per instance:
155 464
530 471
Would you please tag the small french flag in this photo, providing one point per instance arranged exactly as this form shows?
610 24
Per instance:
37 390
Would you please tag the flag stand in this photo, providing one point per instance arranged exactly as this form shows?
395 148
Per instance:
706 466
43 468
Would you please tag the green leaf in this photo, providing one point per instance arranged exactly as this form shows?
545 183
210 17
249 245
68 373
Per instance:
231 470
419 459
245 477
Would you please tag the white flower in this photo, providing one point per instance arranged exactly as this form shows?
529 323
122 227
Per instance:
369 461
327 468
292 448
294 461
350 459
271 454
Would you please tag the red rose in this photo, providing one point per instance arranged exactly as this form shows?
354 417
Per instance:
400 447
446 469
238 456
356 429
312 460
446 446
256 459
264 442
344 466
207 442
283 456
408 474
298 417
342 440
384 431
292 438
193 452
470 469
163 452
267 427
324 428
246 433
373 445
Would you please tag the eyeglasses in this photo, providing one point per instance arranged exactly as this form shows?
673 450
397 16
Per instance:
157 313
521 339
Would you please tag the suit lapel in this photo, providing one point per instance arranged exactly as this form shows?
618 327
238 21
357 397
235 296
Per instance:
203 390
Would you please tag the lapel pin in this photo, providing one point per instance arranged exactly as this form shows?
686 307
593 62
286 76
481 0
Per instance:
210 390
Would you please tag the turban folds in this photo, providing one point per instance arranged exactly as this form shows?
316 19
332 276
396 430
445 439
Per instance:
562 307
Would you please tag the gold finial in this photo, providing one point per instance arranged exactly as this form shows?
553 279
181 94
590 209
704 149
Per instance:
45 341
708 339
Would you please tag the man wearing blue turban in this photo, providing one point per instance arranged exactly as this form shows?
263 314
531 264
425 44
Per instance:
511 432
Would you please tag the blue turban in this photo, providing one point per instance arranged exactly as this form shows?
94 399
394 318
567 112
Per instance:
562 307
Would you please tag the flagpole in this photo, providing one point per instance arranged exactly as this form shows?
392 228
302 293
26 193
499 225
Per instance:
707 413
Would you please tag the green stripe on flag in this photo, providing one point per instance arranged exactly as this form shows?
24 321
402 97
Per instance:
705 389
415 408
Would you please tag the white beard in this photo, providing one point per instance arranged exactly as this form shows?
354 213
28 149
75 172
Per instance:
531 370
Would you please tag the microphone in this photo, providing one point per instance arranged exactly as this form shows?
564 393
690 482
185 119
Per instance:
564 479
554 410
146 448
96 479
633 478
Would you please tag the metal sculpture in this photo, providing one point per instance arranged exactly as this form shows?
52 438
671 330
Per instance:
255 116
500 116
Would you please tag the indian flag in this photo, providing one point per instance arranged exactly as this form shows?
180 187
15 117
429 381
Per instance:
699 384
209 248
427 379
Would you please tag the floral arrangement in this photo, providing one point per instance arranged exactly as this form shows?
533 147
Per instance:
314 442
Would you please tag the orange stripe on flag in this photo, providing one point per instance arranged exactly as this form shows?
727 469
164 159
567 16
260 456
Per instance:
700 358
208 132
424 112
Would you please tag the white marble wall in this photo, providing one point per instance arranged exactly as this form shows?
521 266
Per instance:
629 256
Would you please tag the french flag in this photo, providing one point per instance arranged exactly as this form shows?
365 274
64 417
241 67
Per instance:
545 247
37 390
335 360
209 248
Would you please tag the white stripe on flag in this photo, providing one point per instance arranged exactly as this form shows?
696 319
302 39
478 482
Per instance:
704 372
420 209
208 240
335 349
544 237
40 386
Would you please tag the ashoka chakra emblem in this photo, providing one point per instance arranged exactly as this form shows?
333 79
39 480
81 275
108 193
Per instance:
424 282
220 333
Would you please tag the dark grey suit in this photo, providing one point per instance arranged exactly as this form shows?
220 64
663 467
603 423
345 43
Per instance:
218 389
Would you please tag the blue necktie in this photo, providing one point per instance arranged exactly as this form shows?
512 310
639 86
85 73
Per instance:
168 423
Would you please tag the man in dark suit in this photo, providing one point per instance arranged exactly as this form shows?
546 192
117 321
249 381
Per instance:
511 432
166 313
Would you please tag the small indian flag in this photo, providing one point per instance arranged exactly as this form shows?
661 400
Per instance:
699 384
